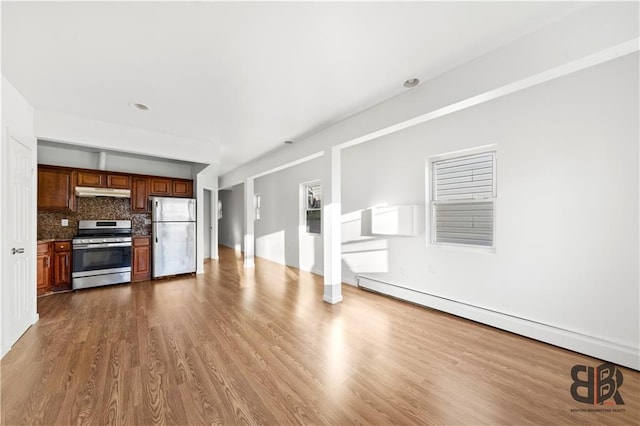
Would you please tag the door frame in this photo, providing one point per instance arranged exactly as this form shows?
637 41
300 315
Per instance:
213 236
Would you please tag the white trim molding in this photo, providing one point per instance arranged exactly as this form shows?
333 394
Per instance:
599 348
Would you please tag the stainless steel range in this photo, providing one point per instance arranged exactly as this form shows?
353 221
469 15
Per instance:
101 253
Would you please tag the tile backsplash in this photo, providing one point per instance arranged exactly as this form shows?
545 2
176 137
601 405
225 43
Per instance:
49 223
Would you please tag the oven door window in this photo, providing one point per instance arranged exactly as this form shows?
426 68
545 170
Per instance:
95 259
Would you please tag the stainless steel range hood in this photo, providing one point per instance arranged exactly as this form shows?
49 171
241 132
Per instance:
85 191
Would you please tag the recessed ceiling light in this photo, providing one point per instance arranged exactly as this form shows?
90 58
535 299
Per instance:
138 106
288 142
412 82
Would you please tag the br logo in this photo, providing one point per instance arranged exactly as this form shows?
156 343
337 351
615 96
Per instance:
596 385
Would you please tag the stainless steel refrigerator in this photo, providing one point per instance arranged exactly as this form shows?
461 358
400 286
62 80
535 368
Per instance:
174 236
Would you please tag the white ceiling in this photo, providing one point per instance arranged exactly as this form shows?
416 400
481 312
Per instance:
244 75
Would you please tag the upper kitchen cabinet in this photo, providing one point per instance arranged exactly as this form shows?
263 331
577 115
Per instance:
55 189
182 188
92 179
103 180
160 186
118 181
166 187
140 195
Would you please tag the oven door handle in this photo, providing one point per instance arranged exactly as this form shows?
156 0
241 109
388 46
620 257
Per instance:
101 245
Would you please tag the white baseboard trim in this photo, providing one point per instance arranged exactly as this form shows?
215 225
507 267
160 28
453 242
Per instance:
606 350
317 271
350 281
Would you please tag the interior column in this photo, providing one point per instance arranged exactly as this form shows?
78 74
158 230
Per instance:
249 218
331 226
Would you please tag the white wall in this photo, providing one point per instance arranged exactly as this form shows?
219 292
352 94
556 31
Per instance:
231 226
70 156
567 206
278 234
17 118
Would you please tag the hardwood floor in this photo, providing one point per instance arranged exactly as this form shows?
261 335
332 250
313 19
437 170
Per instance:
260 347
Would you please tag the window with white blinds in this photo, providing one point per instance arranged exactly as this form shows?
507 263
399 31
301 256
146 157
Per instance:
463 199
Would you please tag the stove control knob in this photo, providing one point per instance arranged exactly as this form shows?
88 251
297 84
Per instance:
104 240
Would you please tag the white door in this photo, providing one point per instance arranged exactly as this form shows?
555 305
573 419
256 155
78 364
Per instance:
19 286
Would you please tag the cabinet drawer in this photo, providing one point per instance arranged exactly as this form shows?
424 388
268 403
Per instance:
62 246
141 241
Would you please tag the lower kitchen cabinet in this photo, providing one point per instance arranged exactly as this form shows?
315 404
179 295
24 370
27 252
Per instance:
141 259
44 267
61 265
53 260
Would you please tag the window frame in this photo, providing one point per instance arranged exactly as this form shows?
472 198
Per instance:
431 195
304 207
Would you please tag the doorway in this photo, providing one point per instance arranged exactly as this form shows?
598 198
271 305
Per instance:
207 225
210 223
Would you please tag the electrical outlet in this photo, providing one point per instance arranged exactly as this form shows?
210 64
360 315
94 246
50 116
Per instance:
147 221
65 222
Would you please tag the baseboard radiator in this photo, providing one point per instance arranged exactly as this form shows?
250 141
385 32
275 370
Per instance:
627 356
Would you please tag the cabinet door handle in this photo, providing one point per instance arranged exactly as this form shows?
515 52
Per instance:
48 261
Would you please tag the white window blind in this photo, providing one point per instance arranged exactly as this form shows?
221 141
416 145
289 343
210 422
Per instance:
463 200
464 178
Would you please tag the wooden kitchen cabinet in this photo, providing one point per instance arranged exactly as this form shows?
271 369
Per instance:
182 188
44 268
91 179
167 187
140 195
118 181
61 265
56 189
141 259
103 180
160 186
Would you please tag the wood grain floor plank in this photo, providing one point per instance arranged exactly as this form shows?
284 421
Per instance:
235 346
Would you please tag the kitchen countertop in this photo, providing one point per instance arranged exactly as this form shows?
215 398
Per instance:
50 240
